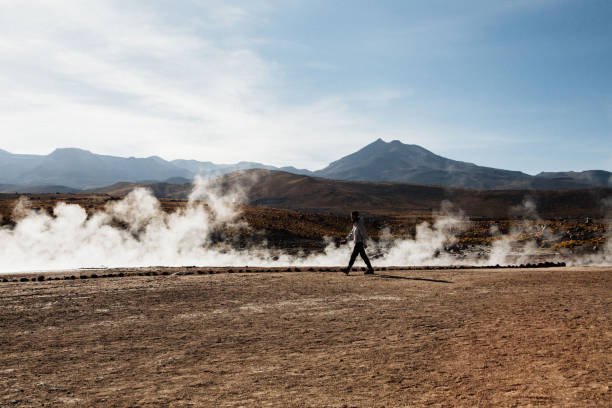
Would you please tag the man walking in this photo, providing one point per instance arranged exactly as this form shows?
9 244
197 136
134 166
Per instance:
358 234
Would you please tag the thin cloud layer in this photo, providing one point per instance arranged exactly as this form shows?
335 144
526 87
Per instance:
119 79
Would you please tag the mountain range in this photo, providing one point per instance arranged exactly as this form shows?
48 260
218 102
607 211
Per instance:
279 189
70 170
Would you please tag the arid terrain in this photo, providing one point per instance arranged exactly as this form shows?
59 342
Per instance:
313 338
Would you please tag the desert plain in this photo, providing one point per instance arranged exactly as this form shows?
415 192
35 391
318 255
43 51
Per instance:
307 337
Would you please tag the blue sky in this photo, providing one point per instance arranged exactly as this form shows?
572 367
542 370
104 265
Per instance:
521 85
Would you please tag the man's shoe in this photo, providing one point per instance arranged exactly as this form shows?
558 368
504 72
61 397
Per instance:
346 271
369 272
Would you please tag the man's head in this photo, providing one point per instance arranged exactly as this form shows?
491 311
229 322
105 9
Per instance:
355 216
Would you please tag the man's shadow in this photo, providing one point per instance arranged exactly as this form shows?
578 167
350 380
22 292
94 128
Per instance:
410 278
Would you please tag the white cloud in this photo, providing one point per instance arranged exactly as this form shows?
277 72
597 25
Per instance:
127 80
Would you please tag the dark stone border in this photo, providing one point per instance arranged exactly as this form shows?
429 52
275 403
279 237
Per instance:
194 270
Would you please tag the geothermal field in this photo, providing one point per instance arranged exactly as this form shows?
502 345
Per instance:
184 184
224 226
132 300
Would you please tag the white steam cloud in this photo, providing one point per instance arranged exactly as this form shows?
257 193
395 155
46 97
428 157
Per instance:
510 248
136 231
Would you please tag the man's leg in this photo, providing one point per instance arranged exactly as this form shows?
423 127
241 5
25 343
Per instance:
353 257
364 256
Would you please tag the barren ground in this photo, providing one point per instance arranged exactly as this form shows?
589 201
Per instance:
511 337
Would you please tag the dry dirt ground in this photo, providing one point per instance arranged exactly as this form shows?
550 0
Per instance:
447 338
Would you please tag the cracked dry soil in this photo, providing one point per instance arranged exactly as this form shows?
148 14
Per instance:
519 337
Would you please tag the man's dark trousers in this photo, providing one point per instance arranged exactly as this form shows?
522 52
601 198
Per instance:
359 249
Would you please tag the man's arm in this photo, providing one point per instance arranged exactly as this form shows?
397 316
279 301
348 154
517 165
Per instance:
350 234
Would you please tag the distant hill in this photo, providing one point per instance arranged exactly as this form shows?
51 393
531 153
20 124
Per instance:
13 165
284 190
208 169
46 189
596 178
177 180
160 190
379 161
80 169
396 161
298 192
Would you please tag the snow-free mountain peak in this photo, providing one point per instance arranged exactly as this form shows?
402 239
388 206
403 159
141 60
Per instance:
378 161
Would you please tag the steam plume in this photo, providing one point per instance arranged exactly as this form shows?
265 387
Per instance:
135 231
